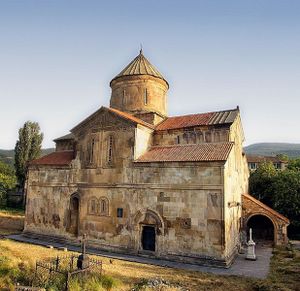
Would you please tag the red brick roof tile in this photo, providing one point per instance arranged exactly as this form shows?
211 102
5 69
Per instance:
261 159
210 118
62 158
122 114
186 153
267 208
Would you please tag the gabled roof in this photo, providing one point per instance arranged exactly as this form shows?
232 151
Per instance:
62 158
140 66
201 119
119 113
267 208
131 117
188 153
68 136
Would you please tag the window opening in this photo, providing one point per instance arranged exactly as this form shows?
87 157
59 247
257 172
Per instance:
93 206
92 151
119 212
145 96
110 149
123 97
103 206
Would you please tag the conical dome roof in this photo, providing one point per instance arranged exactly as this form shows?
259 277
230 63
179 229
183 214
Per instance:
140 66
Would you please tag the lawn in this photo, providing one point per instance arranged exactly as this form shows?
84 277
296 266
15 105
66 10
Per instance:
12 212
17 261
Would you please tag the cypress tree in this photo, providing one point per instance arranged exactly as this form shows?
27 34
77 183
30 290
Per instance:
28 147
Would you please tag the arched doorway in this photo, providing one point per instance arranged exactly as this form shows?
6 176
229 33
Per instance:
262 228
74 215
149 228
148 238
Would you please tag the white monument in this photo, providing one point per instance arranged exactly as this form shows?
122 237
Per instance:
251 248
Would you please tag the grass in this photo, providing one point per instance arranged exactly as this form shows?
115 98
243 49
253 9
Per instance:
17 261
8 211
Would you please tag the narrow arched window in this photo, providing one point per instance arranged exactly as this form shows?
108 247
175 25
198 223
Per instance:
123 97
145 96
110 149
104 206
92 207
91 150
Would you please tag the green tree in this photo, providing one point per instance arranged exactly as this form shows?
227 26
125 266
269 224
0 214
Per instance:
261 182
294 164
283 157
286 198
7 180
28 147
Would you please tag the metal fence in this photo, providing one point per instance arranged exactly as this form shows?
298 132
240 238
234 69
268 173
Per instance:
62 269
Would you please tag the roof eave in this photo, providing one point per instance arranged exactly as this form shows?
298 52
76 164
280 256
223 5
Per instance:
133 75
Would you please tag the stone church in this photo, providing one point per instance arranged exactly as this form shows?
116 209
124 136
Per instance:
138 181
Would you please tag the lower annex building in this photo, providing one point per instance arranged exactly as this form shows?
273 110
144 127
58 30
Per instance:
138 181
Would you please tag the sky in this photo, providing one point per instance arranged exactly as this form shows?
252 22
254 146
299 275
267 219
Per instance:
57 58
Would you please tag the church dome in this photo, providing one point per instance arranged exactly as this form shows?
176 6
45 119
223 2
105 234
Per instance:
140 66
140 89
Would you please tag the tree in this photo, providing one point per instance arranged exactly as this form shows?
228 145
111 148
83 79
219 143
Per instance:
294 164
28 147
286 200
261 182
7 180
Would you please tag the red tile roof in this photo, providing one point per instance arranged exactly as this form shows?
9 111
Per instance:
185 153
267 208
62 158
68 136
210 118
122 114
261 159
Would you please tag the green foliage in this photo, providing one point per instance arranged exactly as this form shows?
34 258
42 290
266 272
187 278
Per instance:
261 182
7 180
286 191
11 273
28 147
294 164
108 282
93 283
279 190
283 157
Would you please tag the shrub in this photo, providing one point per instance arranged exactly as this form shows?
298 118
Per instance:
108 282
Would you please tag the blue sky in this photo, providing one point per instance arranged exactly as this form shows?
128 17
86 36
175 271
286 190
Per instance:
57 58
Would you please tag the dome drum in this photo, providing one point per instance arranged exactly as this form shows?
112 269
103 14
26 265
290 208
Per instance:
139 93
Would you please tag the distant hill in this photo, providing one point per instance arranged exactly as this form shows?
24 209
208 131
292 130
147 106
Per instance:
292 150
7 156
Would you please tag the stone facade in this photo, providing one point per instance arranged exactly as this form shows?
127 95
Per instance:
137 181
